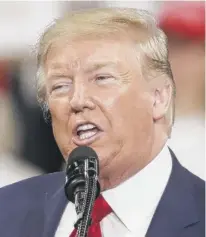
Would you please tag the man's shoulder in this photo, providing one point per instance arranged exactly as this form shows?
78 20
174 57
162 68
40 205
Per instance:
195 186
198 186
185 178
187 186
25 201
32 189
197 183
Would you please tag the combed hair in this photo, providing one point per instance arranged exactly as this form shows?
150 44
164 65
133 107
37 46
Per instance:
136 25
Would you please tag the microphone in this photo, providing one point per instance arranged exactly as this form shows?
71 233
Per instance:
82 164
82 186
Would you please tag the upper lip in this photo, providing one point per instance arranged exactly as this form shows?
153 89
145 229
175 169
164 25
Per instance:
79 123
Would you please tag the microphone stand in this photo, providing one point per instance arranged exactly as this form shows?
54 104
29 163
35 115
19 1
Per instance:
85 217
82 188
91 182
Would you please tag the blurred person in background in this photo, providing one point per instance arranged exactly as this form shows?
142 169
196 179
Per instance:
21 23
12 168
184 24
38 146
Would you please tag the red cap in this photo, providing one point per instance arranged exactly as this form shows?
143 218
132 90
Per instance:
185 19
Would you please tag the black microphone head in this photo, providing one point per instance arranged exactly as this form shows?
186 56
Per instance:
82 161
81 153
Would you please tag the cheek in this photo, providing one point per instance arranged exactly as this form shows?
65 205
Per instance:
136 126
59 109
134 120
60 124
131 128
131 107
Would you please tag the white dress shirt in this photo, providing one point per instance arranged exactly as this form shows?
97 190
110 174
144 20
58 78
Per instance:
134 202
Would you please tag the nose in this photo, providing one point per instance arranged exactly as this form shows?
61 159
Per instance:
81 99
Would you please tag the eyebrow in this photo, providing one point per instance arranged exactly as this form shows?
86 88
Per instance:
99 65
90 68
53 76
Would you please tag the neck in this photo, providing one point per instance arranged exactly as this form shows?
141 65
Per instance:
115 178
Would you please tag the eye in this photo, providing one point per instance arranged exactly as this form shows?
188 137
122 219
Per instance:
102 79
58 87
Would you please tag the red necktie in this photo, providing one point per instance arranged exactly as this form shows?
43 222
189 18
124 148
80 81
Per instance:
100 210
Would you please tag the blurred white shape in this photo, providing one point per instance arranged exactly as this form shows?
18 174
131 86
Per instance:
151 6
13 169
188 143
21 24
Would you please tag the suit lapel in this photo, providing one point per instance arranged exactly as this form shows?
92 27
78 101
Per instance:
42 220
176 209
54 209
32 226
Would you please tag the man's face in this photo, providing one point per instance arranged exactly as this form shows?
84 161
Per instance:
98 84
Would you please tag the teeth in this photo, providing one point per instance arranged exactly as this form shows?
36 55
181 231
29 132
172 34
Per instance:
85 127
87 135
86 131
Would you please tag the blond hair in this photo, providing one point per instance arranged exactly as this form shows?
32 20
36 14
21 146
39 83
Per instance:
138 25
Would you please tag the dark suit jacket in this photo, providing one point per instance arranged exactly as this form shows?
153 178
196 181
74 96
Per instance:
33 207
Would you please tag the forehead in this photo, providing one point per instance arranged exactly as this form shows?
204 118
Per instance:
87 53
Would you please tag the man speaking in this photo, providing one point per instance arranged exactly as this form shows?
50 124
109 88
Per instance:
105 81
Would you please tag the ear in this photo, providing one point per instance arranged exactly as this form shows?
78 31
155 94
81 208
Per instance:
162 99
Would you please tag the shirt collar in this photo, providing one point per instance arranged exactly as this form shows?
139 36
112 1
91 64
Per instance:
135 200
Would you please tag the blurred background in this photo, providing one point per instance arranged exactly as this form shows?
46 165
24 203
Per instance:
27 145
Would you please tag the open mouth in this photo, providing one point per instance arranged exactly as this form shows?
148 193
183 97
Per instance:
86 133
